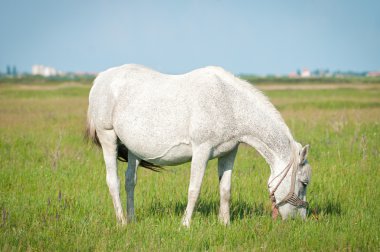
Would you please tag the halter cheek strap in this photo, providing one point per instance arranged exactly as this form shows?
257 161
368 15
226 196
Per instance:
291 197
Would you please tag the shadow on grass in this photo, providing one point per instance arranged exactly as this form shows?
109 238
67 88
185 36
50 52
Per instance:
239 210
326 208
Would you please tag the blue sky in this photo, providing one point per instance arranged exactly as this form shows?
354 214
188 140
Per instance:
175 36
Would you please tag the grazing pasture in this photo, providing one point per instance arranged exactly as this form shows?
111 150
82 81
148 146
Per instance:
53 192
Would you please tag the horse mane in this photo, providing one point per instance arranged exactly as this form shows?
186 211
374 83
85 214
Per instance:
265 100
259 95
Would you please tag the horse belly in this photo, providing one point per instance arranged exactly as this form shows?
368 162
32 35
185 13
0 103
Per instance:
177 154
159 136
158 151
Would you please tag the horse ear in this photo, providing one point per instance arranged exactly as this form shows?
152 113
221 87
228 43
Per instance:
303 154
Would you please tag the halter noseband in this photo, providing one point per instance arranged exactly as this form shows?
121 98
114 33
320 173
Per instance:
291 197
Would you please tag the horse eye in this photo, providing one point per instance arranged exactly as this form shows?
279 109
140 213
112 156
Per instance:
304 183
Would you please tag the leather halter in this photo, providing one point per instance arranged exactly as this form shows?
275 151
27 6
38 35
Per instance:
291 197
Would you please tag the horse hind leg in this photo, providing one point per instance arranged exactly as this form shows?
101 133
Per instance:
130 183
108 140
225 165
201 154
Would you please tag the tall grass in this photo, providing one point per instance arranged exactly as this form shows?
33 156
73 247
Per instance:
53 194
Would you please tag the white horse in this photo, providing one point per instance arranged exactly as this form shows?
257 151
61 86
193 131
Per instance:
153 119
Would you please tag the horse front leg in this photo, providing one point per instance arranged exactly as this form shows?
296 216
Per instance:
130 184
225 166
108 140
201 154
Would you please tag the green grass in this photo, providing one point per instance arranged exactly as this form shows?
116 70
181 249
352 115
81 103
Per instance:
53 194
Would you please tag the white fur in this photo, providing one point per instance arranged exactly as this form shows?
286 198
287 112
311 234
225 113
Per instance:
172 119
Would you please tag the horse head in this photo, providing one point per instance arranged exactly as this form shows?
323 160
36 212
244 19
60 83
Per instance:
291 192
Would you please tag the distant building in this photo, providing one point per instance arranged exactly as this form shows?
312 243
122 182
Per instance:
45 71
373 74
293 75
305 73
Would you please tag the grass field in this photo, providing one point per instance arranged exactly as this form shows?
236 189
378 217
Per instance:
54 197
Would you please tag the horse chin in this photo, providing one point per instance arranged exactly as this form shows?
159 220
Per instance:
302 213
288 211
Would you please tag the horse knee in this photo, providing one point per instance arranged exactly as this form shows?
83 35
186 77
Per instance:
130 181
193 193
225 193
112 181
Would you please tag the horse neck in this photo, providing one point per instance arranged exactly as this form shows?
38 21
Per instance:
277 151
270 136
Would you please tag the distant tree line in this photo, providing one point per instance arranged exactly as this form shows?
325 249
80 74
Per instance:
331 79
34 79
11 71
12 76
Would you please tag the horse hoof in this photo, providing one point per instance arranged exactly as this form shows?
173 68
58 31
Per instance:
186 223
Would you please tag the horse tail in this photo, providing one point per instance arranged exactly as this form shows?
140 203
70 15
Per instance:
90 133
122 151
